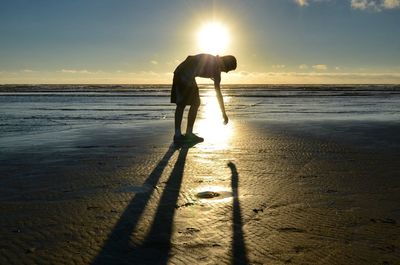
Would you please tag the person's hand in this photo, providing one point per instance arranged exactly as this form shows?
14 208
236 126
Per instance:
226 120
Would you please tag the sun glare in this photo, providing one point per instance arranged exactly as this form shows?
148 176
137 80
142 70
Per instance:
213 38
210 126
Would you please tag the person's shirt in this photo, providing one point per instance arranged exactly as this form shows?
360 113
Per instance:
200 65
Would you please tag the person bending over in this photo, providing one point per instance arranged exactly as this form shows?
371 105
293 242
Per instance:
185 92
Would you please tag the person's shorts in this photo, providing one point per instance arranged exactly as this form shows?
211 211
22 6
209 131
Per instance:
184 92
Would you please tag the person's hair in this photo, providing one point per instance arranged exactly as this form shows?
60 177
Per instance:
229 62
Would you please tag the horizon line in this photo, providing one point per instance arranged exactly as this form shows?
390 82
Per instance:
201 84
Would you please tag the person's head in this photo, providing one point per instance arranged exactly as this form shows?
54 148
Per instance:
228 63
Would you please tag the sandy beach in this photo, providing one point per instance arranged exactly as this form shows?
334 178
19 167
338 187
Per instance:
260 192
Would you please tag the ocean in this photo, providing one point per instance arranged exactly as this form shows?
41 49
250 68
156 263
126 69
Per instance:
31 109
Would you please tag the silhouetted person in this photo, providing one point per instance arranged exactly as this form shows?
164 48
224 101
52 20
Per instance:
185 91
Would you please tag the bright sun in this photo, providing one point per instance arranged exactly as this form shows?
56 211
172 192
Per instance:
213 38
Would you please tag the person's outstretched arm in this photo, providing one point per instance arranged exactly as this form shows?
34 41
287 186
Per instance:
217 87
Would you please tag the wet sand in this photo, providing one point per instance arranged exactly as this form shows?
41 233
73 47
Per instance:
262 193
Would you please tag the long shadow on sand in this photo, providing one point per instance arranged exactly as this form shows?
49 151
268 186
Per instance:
239 254
118 248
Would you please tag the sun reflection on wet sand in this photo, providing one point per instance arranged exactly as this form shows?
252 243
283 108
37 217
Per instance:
217 136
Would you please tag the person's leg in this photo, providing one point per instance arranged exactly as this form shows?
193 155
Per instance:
191 118
178 119
194 106
190 136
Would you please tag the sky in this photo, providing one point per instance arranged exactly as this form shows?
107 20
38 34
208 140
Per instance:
137 42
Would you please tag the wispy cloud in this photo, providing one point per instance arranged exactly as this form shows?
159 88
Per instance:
320 67
28 71
301 2
390 4
278 66
375 5
303 66
313 78
76 76
84 71
9 73
370 5
154 62
307 2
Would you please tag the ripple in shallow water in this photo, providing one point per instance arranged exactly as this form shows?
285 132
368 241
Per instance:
215 195
207 195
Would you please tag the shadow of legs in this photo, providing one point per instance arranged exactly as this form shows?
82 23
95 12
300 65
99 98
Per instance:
157 245
117 248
